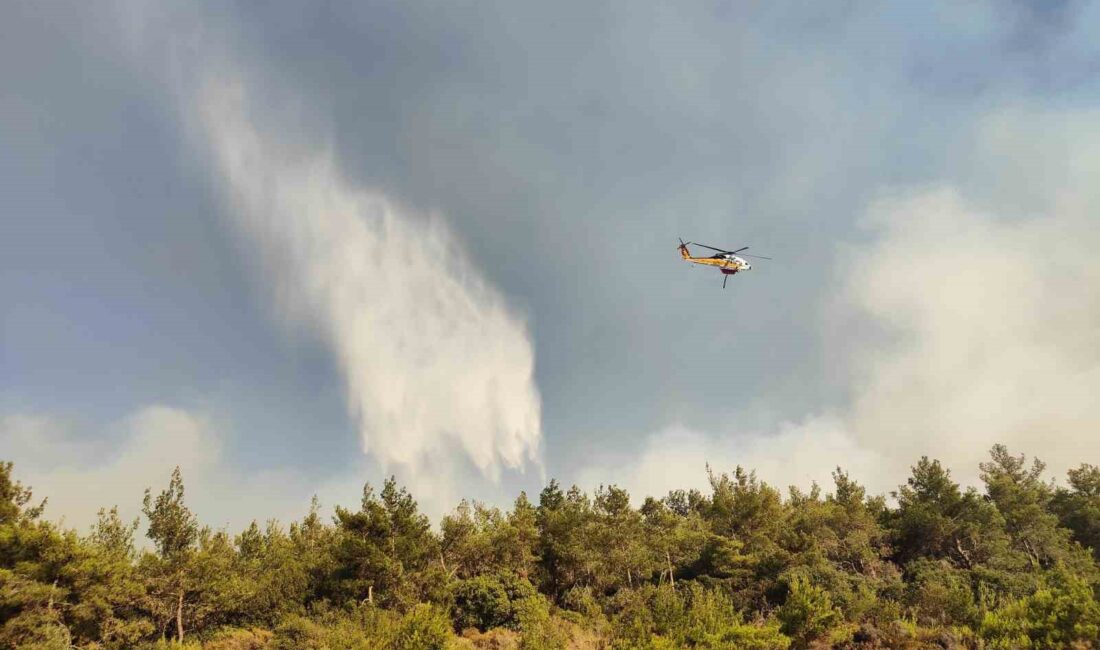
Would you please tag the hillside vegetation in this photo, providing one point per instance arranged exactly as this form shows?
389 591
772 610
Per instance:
742 565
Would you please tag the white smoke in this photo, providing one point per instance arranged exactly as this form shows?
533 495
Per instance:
80 470
977 318
433 358
993 327
798 453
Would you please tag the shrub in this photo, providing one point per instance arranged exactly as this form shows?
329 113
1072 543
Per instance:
235 639
34 630
743 636
1062 613
662 617
299 633
489 601
632 626
539 630
424 628
941 594
808 612
480 602
669 612
581 601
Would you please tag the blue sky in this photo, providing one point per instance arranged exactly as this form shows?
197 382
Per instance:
563 148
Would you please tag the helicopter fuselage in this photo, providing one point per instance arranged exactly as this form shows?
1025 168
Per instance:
728 264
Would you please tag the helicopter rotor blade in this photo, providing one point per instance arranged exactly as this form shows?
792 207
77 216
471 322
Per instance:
710 247
759 257
743 248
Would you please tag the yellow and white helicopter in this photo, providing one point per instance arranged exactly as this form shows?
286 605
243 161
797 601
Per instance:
726 261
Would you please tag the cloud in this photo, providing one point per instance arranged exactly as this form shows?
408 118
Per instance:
437 367
78 476
966 324
799 453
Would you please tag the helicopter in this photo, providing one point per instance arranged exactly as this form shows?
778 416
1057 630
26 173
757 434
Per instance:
727 261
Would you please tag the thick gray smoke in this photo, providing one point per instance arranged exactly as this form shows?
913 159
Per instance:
433 358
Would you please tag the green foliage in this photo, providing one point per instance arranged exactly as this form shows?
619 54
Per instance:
1062 613
379 549
632 625
365 628
172 527
539 631
481 602
1078 507
424 628
35 629
582 601
1023 499
739 566
663 617
173 577
14 498
237 639
941 594
935 519
808 612
106 589
561 519
299 633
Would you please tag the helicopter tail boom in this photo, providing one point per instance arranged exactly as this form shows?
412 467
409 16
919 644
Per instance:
684 252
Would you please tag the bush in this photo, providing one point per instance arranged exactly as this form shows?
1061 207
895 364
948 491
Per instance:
159 644
489 601
941 594
299 633
808 613
632 626
581 601
669 612
752 637
424 628
234 639
34 630
498 639
1062 613
480 602
540 631
714 622
662 617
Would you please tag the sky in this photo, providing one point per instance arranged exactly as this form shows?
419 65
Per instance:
295 249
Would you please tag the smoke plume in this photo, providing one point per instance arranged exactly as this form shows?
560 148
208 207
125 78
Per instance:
967 318
434 360
991 332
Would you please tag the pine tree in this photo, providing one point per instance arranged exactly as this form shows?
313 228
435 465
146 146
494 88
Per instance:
174 531
1078 507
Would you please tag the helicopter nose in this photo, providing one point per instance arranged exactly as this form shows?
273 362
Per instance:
747 266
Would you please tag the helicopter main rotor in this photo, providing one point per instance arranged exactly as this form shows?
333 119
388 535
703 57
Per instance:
726 252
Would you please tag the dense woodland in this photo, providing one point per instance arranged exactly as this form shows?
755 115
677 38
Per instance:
743 565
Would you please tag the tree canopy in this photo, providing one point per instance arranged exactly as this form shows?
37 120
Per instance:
1012 564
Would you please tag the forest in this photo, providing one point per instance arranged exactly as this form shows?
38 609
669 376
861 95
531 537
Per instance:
1010 564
